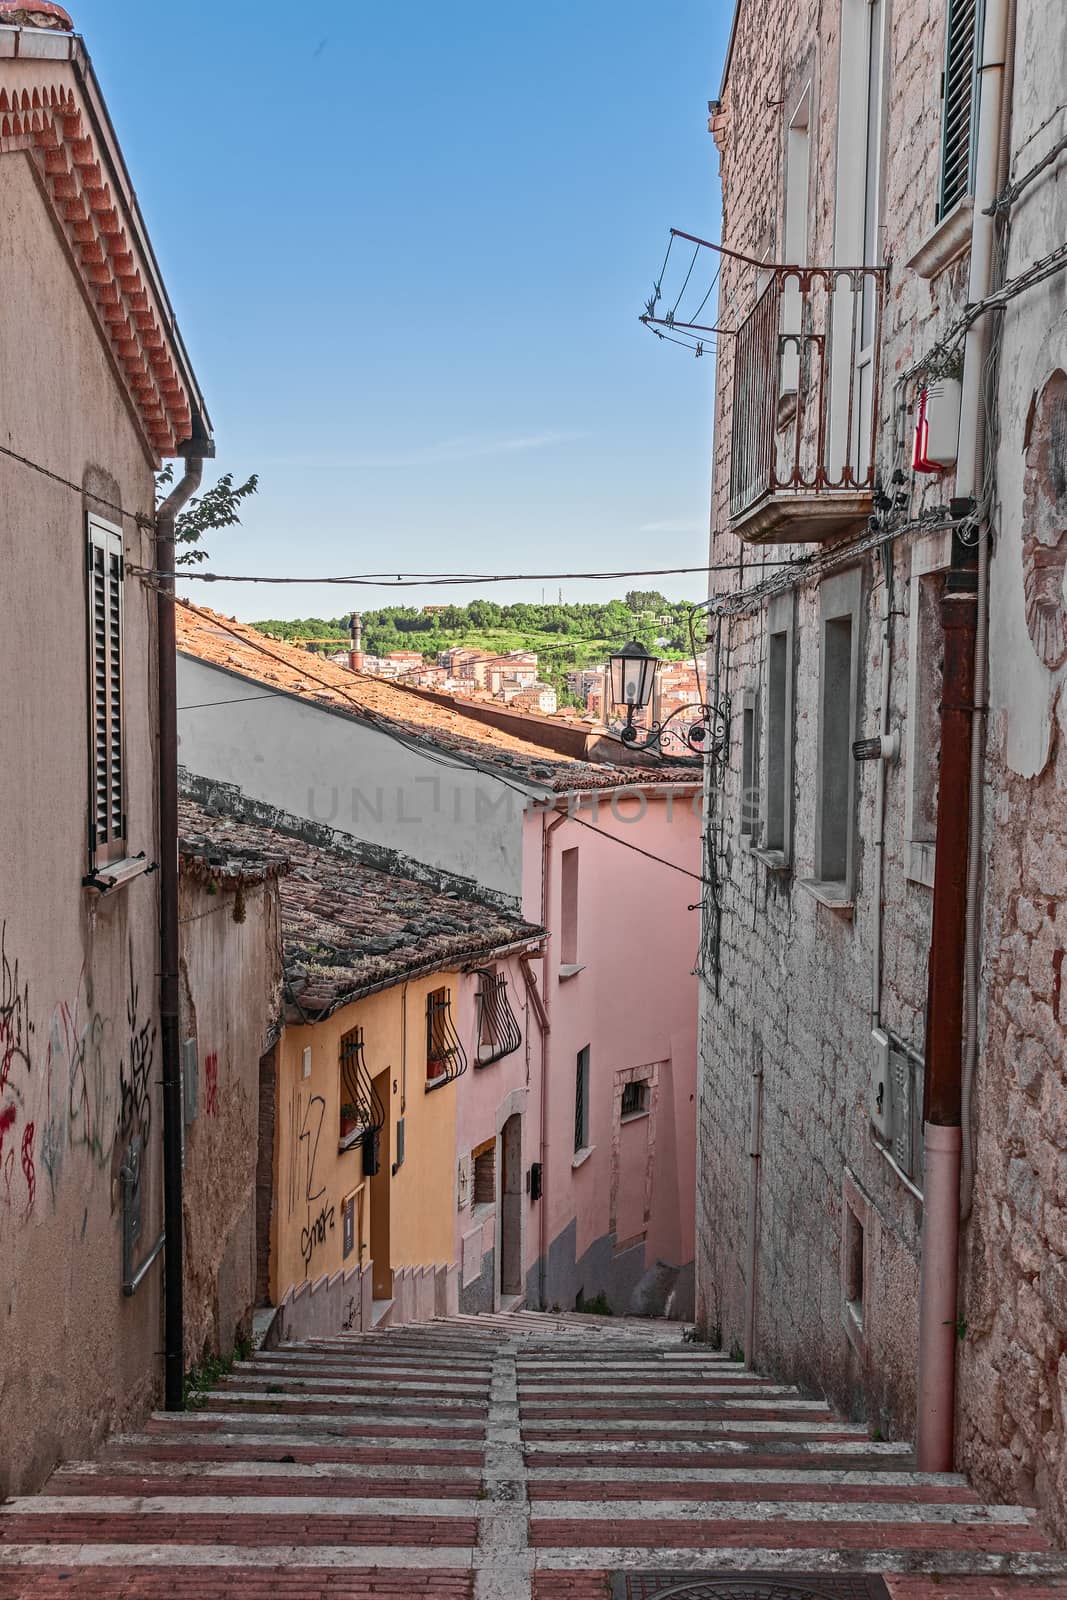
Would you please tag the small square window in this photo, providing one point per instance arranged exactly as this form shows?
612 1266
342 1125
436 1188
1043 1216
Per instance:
635 1099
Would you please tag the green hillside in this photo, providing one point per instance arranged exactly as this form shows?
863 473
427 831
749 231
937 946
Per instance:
565 637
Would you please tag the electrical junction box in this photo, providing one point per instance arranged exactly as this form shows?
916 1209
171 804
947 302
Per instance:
881 1093
937 426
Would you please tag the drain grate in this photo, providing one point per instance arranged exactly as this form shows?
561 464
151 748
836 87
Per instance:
748 1586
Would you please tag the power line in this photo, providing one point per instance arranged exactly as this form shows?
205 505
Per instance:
417 580
79 489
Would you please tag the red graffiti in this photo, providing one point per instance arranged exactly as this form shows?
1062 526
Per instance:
28 1169
7 1120
211 1079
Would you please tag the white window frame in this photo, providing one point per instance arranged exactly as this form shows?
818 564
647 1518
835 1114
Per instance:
974 81
857 220
105 598
840 599
779 729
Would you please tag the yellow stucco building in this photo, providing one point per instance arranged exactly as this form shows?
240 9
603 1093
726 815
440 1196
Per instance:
387 1020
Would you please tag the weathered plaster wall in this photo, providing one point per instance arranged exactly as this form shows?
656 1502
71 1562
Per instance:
487 1097
315 763
230 999
1013 1369
79 1040
634 1003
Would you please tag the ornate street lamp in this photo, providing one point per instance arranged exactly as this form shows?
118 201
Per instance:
633 674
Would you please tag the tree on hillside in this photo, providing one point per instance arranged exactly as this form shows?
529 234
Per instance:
639 600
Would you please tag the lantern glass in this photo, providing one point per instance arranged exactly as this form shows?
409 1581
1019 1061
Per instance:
633 673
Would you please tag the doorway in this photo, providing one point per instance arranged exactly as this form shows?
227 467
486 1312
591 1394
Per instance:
511 1207
381 1262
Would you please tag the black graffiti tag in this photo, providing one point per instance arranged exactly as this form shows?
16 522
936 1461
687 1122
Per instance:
135 1107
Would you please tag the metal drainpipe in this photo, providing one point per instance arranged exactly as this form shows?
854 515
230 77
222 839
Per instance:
755 1151
547 830
981 692
960 611
173 1303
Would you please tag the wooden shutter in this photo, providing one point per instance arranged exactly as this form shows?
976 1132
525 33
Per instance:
960 101
106 792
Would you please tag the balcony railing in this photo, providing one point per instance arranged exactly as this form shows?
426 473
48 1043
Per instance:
499 1034
805 404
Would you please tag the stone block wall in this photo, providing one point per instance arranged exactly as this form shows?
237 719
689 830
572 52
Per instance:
793 997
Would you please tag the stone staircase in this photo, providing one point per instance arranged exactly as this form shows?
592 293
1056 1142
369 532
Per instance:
510 1456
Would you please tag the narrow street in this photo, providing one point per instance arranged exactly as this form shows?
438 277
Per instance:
505 1457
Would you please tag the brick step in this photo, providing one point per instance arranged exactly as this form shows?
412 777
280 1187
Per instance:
199 1527
525 1454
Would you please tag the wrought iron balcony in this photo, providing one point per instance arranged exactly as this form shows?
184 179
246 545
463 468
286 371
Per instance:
805 404
446 1058
499 1034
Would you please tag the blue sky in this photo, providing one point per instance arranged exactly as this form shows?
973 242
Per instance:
407 245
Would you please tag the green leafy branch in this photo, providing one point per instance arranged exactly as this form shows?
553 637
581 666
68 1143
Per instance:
218 507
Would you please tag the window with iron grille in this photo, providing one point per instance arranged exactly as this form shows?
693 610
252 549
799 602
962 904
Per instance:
107 811
446 1058
362 1112
635 1099
959 124
499 1034
581 1101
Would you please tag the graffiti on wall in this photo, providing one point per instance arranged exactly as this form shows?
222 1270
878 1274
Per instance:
322 1222
18 1175
211 1084
85 1093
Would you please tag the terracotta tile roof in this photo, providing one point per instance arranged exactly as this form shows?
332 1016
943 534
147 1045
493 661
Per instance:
44 111
237 647
347 929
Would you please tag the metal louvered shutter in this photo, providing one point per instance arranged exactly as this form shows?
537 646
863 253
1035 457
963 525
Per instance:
107 807
963 43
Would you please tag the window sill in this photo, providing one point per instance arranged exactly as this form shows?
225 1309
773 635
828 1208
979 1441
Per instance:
946 243
773 860
116 874
634 1116
570 969
439 1082
582 1156
829 893
348 1141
